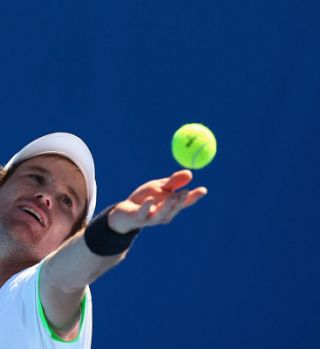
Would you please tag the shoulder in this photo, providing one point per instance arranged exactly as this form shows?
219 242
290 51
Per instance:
21 310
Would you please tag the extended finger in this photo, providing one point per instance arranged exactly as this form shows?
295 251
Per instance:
194 196
162 211
177 180
177 208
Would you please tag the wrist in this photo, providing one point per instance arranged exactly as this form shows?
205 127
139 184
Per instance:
103 240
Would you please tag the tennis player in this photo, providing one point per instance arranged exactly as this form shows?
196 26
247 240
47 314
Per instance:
51 249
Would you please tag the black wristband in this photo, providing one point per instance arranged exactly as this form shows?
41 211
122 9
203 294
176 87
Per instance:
104 241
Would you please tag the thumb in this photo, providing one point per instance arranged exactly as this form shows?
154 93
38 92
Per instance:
144 210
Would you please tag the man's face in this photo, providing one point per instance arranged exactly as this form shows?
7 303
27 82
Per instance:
40 203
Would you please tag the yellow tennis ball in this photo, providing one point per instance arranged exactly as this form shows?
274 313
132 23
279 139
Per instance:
194 146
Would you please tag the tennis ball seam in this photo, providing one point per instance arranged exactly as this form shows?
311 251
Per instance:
194 158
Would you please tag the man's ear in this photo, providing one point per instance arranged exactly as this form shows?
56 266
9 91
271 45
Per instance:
2 173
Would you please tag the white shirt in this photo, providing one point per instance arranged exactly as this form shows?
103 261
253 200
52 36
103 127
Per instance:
22 322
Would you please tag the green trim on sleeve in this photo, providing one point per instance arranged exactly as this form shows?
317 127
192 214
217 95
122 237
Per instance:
45 322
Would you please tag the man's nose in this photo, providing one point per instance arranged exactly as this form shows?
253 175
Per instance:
45 198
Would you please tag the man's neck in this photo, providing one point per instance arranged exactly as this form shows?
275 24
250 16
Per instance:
8 269
12 260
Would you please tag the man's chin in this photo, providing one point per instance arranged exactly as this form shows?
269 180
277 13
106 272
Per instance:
24 231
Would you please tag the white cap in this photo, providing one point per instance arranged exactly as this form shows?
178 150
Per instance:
69 146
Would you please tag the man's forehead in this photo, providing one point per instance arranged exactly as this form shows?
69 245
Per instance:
53 164
52 157
50 164
37 164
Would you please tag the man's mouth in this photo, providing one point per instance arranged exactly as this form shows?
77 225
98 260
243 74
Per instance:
33 213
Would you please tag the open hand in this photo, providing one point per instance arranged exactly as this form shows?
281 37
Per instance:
155 202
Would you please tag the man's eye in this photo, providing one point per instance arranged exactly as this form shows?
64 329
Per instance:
37 178
67 201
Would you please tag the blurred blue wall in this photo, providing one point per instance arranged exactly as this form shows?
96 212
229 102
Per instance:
241 268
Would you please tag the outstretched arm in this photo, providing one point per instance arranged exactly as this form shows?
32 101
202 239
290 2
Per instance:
68 270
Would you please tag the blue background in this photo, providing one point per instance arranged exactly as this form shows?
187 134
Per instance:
241 268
